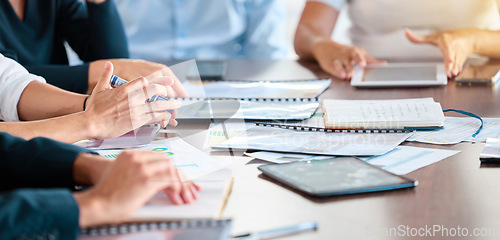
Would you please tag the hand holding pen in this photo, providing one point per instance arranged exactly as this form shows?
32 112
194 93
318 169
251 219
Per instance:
116 81
112 112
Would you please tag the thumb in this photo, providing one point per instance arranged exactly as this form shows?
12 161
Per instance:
418 39
103 83
371 60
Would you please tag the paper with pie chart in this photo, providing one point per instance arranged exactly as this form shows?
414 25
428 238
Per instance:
193 162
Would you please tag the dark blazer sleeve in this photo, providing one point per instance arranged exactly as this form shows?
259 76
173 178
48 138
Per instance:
94 32
38 214
71 78
37 163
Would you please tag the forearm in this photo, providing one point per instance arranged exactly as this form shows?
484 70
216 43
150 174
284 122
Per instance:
316 25
70 78
34 214
37 163
69 128
43 101
486 42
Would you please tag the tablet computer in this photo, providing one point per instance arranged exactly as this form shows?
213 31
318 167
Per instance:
400 75
338 176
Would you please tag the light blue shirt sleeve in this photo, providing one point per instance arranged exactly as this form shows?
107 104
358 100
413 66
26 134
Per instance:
337 4
266 30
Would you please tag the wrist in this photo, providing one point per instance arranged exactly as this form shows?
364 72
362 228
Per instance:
85 102
92 210
326 45
88 125
89 168
473 41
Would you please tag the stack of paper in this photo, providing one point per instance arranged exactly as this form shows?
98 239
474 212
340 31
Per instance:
491 151
382 114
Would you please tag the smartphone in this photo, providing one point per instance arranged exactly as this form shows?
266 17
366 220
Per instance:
479 74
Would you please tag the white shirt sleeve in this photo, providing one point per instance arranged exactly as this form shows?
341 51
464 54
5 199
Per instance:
13 79
337 4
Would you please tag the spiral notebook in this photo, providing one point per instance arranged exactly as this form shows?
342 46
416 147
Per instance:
417 113
341 143
181 230
247 108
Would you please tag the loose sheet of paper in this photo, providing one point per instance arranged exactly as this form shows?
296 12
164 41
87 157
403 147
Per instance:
343 143
458 129
220 132
275 157
404 159
192 161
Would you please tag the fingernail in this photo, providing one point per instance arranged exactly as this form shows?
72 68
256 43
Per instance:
107 65
163 124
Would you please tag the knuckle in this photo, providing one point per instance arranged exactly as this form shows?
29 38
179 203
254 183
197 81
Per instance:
159 88
123 91
144 81
124 157
176 187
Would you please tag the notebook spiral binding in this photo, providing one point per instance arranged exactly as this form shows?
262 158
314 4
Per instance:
108 230
319 129
253 99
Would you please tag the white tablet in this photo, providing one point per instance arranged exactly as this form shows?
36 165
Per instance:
400 75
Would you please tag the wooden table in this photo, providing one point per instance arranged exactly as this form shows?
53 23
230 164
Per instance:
456 193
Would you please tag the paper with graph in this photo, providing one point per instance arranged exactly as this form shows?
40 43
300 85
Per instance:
458 129
192 161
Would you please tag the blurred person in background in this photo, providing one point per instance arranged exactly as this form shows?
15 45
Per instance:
204 30
34 32
397 30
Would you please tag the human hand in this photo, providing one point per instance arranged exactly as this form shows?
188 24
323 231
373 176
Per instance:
112 112
130 69
338 59
133 178
455 45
